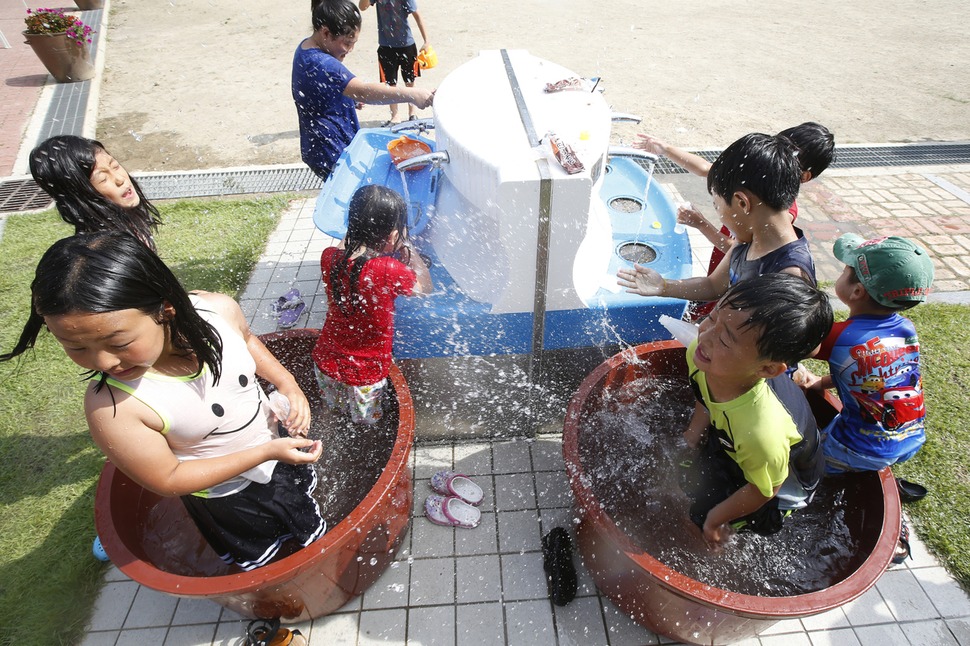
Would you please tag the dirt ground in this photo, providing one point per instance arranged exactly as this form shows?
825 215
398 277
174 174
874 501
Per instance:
207 84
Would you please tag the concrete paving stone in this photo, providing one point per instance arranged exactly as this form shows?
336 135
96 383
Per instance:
391 589
480 624
529 623
870 608
949 250
784 627
101 638
335 630
950 285
937 240
962 240
958 265
827 620
432 626
547 451
432 582
622 630
518 531
961 630
580 622
840 637
880 635
430 540
389 626
428 460
482 540
929 633
231 633
113 604
142 636
474 459
196 611
793 639
515 491
523 577
194 635
478 578
151 608
553 490
905 597
511 457
950 600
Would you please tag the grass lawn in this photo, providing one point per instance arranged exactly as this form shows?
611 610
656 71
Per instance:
48 578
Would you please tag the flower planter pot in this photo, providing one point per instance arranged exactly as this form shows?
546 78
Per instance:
87 5
65 61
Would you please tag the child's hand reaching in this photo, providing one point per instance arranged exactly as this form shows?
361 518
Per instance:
296 450
717 536
297 413
641 280
650 144
690 216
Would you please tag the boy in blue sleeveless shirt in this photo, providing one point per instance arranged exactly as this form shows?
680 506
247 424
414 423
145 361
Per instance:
874 355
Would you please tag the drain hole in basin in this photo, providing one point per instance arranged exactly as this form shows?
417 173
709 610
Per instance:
637 252
626 204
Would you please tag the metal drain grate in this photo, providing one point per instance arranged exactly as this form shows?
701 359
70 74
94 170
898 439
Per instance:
863 156
22 195
271 179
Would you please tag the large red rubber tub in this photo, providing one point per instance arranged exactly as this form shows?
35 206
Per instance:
364 490
658 596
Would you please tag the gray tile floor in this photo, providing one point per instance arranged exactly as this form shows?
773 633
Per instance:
486 586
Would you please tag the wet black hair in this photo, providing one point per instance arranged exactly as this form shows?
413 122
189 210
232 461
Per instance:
108 272
375 213
62 166
765 165
816 146
340 17
793 316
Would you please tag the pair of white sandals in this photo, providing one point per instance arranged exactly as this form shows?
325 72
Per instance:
456 502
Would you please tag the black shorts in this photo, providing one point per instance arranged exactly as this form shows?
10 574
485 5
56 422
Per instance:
391 59
249 527
712 478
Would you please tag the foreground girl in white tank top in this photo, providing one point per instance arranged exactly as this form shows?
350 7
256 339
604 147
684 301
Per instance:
173 400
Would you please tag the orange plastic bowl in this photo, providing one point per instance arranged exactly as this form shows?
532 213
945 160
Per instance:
405 148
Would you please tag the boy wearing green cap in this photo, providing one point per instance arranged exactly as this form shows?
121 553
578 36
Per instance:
874 355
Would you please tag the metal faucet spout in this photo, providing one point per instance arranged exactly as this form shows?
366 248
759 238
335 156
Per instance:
436 159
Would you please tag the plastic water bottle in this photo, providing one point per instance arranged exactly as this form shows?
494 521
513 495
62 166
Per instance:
280 405
681 330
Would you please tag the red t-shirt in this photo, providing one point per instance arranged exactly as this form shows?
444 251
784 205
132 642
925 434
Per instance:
355 348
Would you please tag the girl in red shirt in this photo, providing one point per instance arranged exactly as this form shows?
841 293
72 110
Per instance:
363 276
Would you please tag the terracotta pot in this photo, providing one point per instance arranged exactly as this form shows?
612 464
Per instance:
152 540
667 601
88 5
62 57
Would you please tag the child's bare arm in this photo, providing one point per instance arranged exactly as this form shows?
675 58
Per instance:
267 366
698 424
382 94
688 161
647 282
416 263
420 24
744 501
691 217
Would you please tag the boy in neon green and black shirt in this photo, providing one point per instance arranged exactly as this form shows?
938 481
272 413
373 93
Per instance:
759 451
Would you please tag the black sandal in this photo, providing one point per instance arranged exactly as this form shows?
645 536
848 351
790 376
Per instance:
903 551
557 561
260 632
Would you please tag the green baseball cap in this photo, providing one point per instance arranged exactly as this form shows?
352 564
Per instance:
895 271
